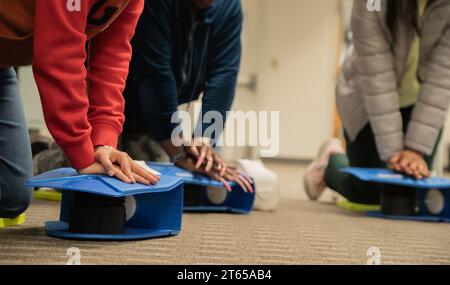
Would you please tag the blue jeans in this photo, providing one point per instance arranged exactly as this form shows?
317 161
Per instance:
15 149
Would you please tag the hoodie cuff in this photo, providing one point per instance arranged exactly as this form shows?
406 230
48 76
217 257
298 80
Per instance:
104 134
80 155
389 144
421 137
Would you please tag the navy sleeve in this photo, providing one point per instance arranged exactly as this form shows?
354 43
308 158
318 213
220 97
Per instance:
224 62
152 47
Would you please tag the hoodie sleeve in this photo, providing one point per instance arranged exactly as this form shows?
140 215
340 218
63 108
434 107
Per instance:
152 47
76 120
60 74
377 79
223 64
109 58
431 109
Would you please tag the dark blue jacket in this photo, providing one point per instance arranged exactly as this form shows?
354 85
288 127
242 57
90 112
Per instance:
176 57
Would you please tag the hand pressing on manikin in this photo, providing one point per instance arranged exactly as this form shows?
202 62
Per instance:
205 155
119 164
410 162
224 173
208 161
202 158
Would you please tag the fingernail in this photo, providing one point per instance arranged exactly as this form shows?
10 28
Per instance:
111 173
227 186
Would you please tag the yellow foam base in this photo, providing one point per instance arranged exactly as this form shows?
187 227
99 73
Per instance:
360 208
5 223
49 195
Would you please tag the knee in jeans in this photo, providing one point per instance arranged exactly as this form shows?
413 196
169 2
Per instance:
16 201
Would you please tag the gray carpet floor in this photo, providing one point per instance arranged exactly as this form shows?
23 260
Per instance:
299 232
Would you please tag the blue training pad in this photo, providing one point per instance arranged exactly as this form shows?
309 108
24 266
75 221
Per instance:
67 179
237 201
186 176
420 218
218 209
61 230
158 208
171 177
386 176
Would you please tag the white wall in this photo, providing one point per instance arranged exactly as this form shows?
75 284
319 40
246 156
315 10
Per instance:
30 98
293 48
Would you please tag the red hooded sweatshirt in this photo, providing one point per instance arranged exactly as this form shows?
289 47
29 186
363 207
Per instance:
81 97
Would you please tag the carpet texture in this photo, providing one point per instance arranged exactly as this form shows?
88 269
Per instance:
300 232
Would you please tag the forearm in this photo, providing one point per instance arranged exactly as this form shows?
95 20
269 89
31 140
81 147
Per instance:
171 149
218 98
431 109
158 103
110 54
60 74
223 68
377 80
156 87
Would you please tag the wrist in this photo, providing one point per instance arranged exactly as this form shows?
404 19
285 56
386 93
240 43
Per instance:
170 149
179 157
103 148
415 151
202 141
80 155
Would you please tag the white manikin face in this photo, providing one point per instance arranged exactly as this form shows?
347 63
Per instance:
435 201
